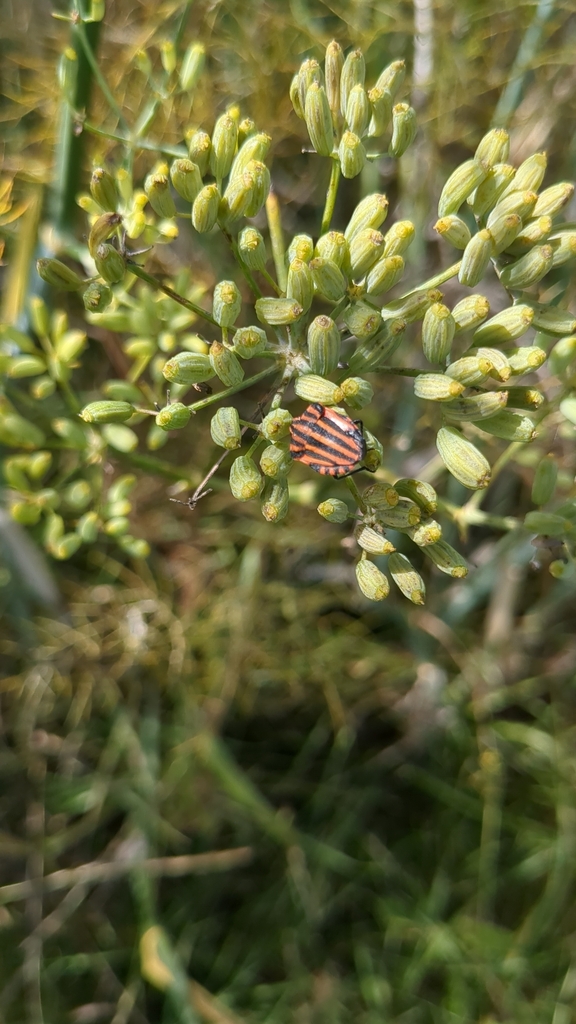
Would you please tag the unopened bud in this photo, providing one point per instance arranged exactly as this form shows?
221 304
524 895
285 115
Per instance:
225 364
522 203
352 155
276 425
563 353
385 273
438 329
504 327
413 307
157 188
96 297
447 559
192 67
225 428
454 230
324 343
173 416
295 96
319 120
358 393
199 148
358 111
333 246
251 249
469 370
353 73
188 368
408 581
245 480
460 185
313 388
361 319
334 510
526 360
372 540
564 247
437 387
103 189
57 274
529 268
224 139
476 407
300 286
524 398
278 311
392 77
381 103
494 147
333 64
510 426
504 231
374 452
205 208
398 238
553 320
380 496
25 366
301 248
462 459
310 73
470 312
372 582
109 263
371 212
327 278
227 303
255 147
70 432
260 187
420 492
87 527
366 247
544 483
530 174
77 495
475 258
499 367
488 192
552 199
275 461
429 532
237 197
275 501
69 346
249 342
106 412
186 179
404 515
535 231
547 524
404 128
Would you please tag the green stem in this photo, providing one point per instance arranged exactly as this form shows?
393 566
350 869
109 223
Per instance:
196 406
82 35
475 517
330 197
156 283
153 147
277 239
432 282
268 277
355 494
156 466
236 253
522 65
401 371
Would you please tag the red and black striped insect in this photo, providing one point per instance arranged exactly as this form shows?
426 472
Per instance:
327 441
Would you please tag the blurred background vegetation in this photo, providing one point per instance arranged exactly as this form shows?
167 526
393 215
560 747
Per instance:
232 790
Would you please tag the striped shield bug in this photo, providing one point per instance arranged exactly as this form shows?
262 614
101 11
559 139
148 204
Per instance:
327 441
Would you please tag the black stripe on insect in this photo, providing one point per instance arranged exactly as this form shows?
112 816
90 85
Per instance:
328 441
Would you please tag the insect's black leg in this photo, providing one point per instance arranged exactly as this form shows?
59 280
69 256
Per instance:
359 424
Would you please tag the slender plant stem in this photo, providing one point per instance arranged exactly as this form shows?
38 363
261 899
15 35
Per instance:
276 238
234 247
476 517
331 197
527 51
400 371
355 494
135 269
82 35
432 282
268 277
130 143
156 466
248 382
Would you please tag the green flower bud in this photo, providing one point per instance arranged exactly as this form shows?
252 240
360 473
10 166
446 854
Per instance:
14 474
408 581
57 274
381 103
511 426
469 312
68 74
255 147
524 398
499 367
17 432
186 179
25 366
295 96
157 188
96 297
371 581
106 412
109 263
261 187
365 249
420 492
489 191
447 559
139 348
24 512
544 483
309 73
454 230
380 496
117 508
504 327
385 273
168 56
113 321
278 311
199 148
327 278
358 111
224 139
38 464
245 480
251 249
225 364
404 128
173 416
568 408
371 212
475 259
504 231
334 247
66 547
192 67
404 515
225 428
460 185
275 501
494 147
358 393
70 345
276 425
553 320
535 231
522 203
117 526
547 524
353 73
398 238
226 304
156 438
426 533
374 452
469 370
476 407
372 540
246 128
564 247
333 64
375 350
300 285
249 342
122 438
529 268
437 387
275 461
392 77
103 189
70 432
334 510
313 388
237 197
101 229
205 208
77 495
530 174
87 528
134 546
188 368
563 353
552 199
526 360
319 120
324 343
301 248
413 307
462 459
361 319
438 329
352 155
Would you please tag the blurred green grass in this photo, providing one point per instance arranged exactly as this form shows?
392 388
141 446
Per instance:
403 779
